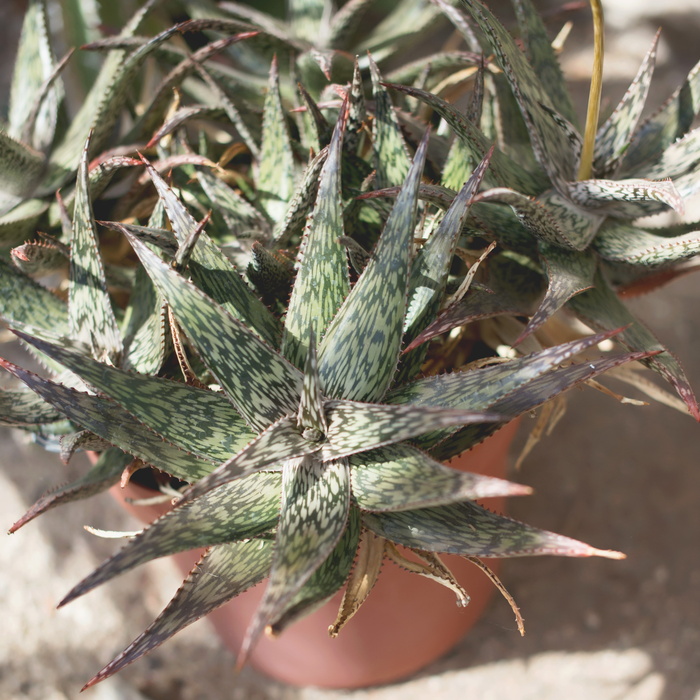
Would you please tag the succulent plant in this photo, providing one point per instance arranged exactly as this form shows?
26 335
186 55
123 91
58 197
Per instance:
294 402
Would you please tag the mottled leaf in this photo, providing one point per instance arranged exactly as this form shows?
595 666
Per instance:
237 511
614 136
619 242
90 312
600 308
360 350
314 513
199 421
269 388
549 142
104 474
322 281
311 416
400 477
21 221
211 270
355 427
326 580
109 421
345 22
20 168
224 572
470 530
507 172
577 225
275 179
568 273
18 407
390 154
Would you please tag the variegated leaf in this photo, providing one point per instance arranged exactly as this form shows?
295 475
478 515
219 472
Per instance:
542 57
271 272
322 281
211 270
326 580
42 256
527 398
269 388
390 154
109 421
432 264
481 388
625 198
577 225
237 511
507 172
357 113
619 242
21 221
400 477
90 312
20 169
282 441
161 238
614 136
103 105
360 350
275 179
225 571
479 303
302 201
600 308
311 416
568 273
80 440
199 421
470 530
313 517
104 474
663 128
316 129
355 427
549 142
25 408
34 65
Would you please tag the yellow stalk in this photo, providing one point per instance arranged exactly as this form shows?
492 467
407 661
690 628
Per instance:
586 165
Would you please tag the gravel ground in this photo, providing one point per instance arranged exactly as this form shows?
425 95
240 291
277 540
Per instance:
617 476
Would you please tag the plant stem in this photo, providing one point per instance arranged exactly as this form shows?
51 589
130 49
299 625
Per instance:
586 163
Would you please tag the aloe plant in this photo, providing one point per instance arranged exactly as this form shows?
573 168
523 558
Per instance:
293 399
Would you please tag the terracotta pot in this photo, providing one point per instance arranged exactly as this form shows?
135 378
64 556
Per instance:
406 623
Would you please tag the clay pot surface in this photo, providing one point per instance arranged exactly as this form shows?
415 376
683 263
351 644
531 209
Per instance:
406 623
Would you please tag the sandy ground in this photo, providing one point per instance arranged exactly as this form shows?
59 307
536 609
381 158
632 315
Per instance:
617 476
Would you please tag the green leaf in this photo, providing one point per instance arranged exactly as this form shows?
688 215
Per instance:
308 18
614 136
322 281
390 153
542 57
90 312
270 386
313 517
600 308
275 179
104 474
477 304
470 530
327 580
568 273
355 427
527 398
199 421
23 300
224 572
619 242
20 169
360 350
430 269
211 270
400 477
507 172
311 415
549 142
109 421
345 23
237 511
25 408
577 225
21 221
665 126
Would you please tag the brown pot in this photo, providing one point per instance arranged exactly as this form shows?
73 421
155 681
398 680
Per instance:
406 623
